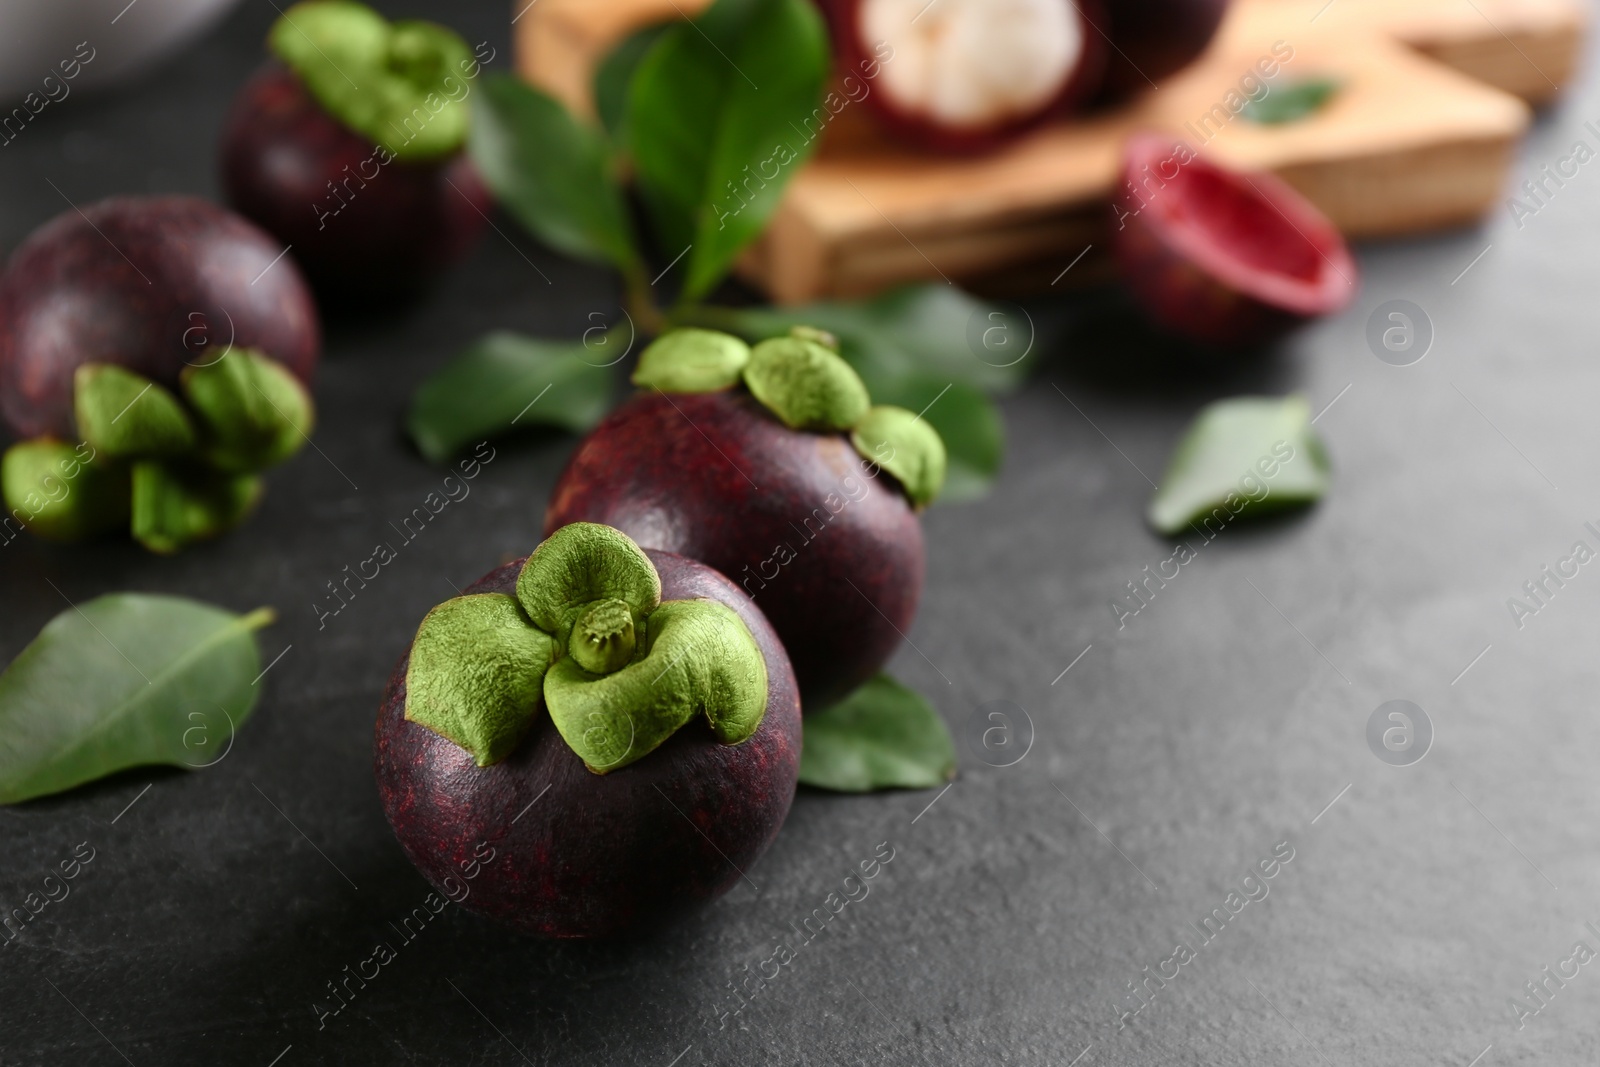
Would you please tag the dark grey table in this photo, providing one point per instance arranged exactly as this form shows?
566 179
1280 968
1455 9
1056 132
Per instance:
1225 720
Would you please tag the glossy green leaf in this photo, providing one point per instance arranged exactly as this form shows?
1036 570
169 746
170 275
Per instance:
122 681
1292 101
882 736
614 78
506 382
553 172
1241 457
717 125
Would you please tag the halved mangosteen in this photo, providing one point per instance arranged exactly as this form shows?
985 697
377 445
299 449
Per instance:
1223 257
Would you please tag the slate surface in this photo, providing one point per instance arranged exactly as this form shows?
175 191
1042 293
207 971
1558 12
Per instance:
1172 758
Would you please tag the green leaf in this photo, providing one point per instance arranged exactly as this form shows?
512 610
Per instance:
399 85
1244 456
1291 102
614 77
882 736
122 681
553 172
716 123
503 382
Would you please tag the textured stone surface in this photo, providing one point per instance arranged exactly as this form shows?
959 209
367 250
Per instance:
1004 929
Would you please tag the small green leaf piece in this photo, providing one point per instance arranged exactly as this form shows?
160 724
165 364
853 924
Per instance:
126 415
692 361
399 85
123 681
702 660
177 504
553 172
477 674
1243 456
59 494
806 385
253 411
1291 102
578 565
882 736
505 382
905 446
614 75
722 112
603 639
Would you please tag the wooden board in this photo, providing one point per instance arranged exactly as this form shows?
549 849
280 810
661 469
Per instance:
1414 141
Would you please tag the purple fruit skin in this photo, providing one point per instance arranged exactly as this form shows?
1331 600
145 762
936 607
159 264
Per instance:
359 227
1155 38
681 473
192 278
598 856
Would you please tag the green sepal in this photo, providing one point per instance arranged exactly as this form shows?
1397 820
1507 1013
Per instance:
702 659
125 415
692 361
53 491
253 411
578 565
400 85
477 673
907 447
176 504
807 385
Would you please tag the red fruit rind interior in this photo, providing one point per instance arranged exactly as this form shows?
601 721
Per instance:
1251 231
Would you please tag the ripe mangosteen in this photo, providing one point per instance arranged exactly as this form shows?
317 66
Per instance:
967 75
1153 38
769 465
1221 257
607 737
371 189
168 338
150 284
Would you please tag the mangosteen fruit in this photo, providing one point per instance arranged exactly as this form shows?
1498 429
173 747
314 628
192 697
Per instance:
771 465
1151 39
171 342
371 188
962 76
607 737
1219 257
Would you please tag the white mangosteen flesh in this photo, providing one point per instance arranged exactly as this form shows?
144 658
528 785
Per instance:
974 63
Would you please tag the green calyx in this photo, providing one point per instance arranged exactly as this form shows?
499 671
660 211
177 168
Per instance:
126 415
808 386
256 413
618 670
905 446
692 361
806 383
401 85
173 471
63 492
176 504
477 673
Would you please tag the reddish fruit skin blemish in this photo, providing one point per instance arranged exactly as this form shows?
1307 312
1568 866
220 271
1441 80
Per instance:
191 282
360 227
1219 257
596 856
717 478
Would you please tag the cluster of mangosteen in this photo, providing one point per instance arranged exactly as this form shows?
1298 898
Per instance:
630 668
